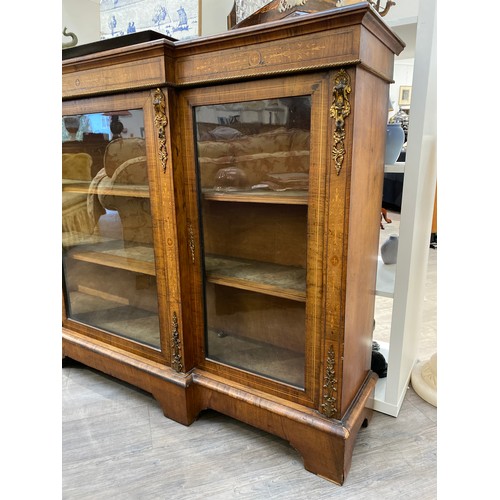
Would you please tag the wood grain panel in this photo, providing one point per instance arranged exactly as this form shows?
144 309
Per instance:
332 233
309 51
122 76
366 179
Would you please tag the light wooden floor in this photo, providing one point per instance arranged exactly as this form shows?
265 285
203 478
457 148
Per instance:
116 444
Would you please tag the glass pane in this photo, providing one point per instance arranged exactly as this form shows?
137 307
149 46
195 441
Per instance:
253 164
107 237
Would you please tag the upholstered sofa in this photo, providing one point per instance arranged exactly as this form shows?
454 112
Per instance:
122 185
76 177
275 150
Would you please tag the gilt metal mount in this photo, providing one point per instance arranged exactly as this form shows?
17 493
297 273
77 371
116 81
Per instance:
339 111
329 407
192 247
176 345
161 122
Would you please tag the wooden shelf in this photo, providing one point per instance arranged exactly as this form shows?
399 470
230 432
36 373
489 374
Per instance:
138 258
271 361
130 190
72 186
74 238
115 316
396 168
255 196
262 277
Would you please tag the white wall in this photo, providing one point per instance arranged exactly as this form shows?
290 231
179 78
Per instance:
82 18
404 12
214 16
403 76
402 18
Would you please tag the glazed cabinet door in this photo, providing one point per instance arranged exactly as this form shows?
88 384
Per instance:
115 271
259 180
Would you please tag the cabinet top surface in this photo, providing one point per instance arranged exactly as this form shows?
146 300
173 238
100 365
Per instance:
361 13
355 34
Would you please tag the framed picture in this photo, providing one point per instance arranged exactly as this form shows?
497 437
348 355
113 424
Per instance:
404 95
180 19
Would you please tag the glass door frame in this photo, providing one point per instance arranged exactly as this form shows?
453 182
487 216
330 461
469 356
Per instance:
143 101
317 86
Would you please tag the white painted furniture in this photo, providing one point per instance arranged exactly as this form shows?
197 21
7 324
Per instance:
405 280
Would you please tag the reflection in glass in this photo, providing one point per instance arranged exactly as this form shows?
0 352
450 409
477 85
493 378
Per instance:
108 258
253 165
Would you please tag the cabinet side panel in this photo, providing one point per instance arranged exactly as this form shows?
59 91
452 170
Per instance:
375 55
370 118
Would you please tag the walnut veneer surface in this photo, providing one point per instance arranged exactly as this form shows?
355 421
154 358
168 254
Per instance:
290 278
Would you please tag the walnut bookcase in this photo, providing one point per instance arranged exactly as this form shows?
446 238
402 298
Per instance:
225 254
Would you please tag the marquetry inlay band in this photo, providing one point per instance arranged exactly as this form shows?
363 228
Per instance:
161 123
329 407
339 111
191 239
269 74
229 78
176 345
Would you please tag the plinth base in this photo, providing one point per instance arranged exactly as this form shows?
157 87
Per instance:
326 445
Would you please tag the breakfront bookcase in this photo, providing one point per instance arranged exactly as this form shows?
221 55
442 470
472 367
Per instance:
223 252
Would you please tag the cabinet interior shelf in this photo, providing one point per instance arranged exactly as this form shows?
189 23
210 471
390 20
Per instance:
136 258
131 190
287 282
296 197
115 315
267 360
